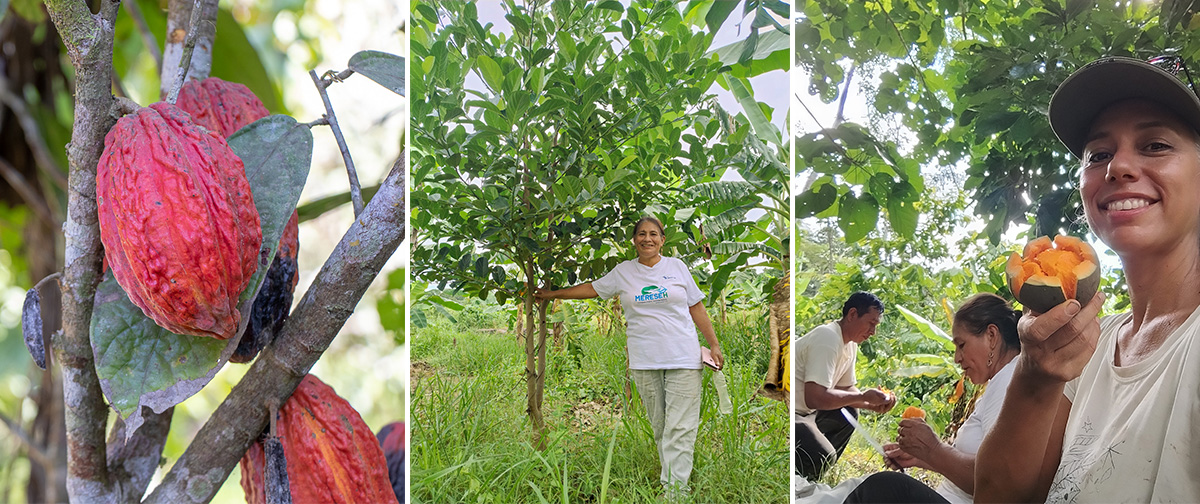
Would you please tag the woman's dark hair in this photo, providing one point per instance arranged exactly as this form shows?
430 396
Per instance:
651 219
862 302
984 309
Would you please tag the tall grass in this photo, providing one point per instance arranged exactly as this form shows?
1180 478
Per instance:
471 438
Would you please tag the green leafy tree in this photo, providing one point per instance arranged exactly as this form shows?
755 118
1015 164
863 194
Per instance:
589 115
964 82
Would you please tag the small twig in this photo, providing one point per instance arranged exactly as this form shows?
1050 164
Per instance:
189 47
148 39
355 191
52 276
14 178
319 122
123 107
31 448
33 135
328 78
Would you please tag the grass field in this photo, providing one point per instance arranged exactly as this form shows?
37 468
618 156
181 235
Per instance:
471 437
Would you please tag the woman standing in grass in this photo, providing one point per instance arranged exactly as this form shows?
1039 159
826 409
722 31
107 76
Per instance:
663 308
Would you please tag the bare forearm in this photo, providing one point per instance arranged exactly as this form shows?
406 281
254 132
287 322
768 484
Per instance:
821 398
956 465
704 324
1016 454
581 291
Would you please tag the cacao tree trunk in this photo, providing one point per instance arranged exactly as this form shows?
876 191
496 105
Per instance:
558 327
533 397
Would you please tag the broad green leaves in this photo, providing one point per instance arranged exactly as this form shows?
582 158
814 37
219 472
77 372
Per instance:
533 152
141 364
385 69
967 84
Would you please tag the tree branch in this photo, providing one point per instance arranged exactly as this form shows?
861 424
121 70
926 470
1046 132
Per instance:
89 41
240 419
132 462
179 31
355 191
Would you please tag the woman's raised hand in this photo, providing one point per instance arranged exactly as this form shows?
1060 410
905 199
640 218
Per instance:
917 438
1057 344
897 458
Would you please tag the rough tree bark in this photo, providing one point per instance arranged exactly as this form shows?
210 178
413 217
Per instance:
179 15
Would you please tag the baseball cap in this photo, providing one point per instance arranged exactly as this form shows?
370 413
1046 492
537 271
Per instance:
1106 81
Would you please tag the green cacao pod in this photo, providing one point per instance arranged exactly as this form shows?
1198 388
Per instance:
177 219
220 106
332 456
274 300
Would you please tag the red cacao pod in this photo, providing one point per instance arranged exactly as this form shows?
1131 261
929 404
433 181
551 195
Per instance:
274 300
221 106
332 456
177 220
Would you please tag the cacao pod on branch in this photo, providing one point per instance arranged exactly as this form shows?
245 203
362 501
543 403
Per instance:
177 220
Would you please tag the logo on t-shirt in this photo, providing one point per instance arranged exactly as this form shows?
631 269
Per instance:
651 294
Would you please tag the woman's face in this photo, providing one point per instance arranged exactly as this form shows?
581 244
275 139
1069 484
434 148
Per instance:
1140 180
648 240
971 352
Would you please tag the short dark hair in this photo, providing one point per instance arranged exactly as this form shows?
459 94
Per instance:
651 219
985 309
861 302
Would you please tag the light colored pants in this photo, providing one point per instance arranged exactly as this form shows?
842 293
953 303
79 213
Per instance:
672 400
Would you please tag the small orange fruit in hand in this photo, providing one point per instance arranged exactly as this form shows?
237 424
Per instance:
913 412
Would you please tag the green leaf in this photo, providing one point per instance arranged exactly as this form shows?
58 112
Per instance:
857 216
927 328
235 59
385 69
490 70
141 364
902 210
758 120
815 201
318 207
277 154
718 13
612 5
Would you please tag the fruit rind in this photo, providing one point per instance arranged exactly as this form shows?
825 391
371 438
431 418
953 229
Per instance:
177 220
1050 272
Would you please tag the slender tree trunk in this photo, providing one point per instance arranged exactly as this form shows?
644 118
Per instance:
559 327
533 397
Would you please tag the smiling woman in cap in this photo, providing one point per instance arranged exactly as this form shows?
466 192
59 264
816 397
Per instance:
1104 410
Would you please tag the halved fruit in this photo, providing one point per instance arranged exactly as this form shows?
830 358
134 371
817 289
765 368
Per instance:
913 412
1049 273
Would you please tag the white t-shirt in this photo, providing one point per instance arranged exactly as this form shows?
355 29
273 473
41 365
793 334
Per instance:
1134 431
659 330
823 358
978 424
